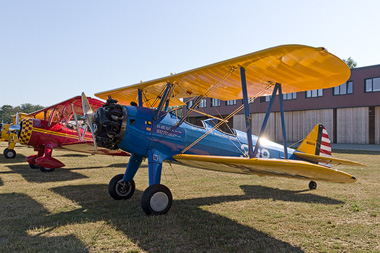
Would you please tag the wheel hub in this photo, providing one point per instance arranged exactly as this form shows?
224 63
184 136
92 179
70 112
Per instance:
123 188
159 201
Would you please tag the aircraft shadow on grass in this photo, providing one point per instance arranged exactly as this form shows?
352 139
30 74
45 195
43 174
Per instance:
20 158
36 176
186 224
15 210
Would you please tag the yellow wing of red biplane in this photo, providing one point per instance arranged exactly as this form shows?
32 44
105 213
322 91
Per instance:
88 147
63 110
296 67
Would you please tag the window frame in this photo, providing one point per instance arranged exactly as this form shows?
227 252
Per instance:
314 93
203 103
215 102
231 102
372 84
346 86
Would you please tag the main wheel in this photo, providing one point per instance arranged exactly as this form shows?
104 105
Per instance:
119 189
156 200
312 185
43 169
9 153
34 166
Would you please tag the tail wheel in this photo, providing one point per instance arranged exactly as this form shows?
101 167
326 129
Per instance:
312 185
119 189
9 153
43 169
156 200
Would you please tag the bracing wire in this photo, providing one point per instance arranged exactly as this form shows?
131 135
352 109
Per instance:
221 122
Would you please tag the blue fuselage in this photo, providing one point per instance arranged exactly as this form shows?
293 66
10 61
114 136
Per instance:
143 133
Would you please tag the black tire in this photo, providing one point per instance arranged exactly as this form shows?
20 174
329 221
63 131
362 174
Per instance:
34 166
119 189
43 169
312 185
9 153
156 200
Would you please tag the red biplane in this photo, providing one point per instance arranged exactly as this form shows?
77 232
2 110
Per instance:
50 128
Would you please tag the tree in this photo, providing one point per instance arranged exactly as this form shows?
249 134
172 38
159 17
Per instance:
351 63
6 111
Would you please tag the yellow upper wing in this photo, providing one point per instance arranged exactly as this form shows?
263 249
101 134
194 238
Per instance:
296 67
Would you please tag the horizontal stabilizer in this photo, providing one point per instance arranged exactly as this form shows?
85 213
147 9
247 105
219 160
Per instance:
266 167
323 159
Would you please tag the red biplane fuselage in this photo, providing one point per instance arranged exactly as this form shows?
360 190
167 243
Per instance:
49 128
44 137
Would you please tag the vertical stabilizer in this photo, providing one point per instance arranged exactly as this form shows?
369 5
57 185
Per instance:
317 142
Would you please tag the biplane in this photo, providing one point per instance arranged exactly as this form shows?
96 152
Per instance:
50 128
10 136
136 119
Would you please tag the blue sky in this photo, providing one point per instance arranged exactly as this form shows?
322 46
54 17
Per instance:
53 50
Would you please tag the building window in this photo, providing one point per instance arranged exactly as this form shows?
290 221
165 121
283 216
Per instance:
289 96
215 102
189 104
265 99
372 84
314 93
231 102
343 89
203 103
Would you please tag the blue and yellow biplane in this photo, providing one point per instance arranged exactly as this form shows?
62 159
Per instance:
147 129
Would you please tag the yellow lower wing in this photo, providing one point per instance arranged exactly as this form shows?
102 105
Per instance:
267 167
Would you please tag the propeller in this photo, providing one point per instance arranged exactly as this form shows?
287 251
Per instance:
76 121
16 127
89 117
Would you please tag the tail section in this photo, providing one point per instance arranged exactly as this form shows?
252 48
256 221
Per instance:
317 142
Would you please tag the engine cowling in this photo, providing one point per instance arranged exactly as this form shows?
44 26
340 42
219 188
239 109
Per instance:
110 124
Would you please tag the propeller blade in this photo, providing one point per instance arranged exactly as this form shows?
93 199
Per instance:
93 136
84 132
89 117
86 105
16 127
76 121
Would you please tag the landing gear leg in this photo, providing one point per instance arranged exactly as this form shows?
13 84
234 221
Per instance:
157 198
32 159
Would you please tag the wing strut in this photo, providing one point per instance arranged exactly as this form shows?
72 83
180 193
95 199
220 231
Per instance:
163 100
248 121
139 94
277 87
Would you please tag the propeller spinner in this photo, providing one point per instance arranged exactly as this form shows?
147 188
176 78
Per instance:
89 117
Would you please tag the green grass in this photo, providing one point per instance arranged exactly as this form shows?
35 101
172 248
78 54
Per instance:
70 210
